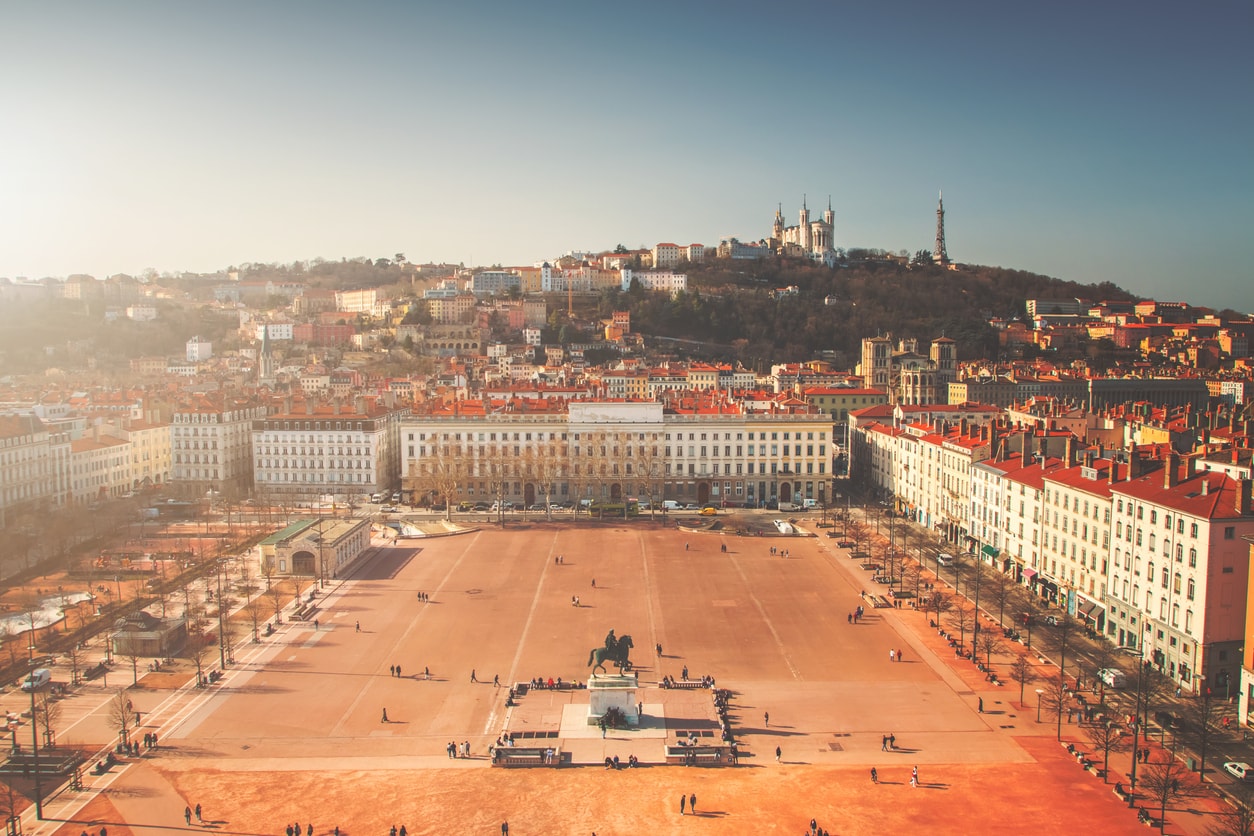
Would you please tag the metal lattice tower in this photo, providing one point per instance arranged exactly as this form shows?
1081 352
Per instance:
939 256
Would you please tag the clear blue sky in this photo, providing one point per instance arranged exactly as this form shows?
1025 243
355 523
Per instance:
1085 140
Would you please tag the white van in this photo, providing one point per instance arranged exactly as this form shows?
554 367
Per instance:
37 679
944 559
376 498
808 503
1112 677
670 505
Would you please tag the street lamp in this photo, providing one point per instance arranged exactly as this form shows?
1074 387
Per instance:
1039 691
1142 663
34 745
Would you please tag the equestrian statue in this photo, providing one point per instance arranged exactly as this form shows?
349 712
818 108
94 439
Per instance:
614 650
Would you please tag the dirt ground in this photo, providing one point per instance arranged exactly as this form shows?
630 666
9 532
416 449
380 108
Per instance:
294 731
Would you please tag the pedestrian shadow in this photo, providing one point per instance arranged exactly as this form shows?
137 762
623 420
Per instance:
934 786
714 814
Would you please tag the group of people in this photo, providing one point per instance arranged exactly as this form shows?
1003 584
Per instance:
458 750
614 763
670 682
540 683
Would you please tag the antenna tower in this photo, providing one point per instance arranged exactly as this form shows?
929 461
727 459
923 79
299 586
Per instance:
939 256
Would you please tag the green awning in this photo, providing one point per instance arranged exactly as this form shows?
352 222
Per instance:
991 552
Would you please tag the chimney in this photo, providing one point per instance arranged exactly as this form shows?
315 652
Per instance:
1134 463
1068 452
965 428
1243 497
1170 472
1205 486
1112 476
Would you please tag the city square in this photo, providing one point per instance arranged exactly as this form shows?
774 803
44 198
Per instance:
295 730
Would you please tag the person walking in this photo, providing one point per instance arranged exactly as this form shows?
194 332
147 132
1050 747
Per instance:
357 627
981 705
900 657
875 776
198 817
766 719
692 804
504 828
472 675
914 777
779 753
683 801
187 815
385 716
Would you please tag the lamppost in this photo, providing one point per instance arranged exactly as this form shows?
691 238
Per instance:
1142 663
221 624
1039 691
34 747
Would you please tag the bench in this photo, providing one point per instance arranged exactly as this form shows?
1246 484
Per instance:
685 685
526 756
698 755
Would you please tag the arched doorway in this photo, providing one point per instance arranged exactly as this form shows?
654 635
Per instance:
785 491
703 493
616 492
303 563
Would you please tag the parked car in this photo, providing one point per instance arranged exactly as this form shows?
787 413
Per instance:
1240 770
36 679
692 506
389 509
438 506
465 506
537 506
709 511
1112 677
482 506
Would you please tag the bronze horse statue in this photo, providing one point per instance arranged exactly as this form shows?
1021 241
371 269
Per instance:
616 654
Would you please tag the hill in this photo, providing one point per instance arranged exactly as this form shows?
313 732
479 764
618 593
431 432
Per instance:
738 310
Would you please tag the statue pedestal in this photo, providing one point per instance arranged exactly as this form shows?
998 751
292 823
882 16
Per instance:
606 691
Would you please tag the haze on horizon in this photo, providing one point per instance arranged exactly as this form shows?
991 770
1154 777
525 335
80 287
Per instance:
1090 142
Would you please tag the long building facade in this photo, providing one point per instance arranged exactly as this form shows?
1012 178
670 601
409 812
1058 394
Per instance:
611 450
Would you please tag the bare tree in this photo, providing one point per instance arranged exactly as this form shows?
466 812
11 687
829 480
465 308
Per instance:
1200 715
988 643
1066 628
48 714
253 609
73 655
938 603
132 655
1109 737
1021 671
1237 819
1163 782
1056 698
440 468
962 616
196 651
120 713
1000 591
275 593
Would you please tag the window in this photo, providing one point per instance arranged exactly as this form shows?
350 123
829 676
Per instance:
1191 589
1230 532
